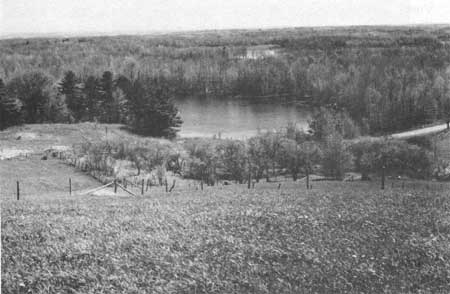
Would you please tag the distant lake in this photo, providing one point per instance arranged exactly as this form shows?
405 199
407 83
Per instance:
237 118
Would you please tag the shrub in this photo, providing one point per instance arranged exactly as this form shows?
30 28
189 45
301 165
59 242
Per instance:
424 142
146 156
257 158
202 160
234 159
296 158
336 158
397 157
326 122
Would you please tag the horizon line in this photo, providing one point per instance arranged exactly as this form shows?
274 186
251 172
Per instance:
56 34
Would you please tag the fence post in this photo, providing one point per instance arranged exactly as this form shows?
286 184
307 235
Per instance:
70 186
115 186
173 186
383 173
142 189
18 191
307 180
165 183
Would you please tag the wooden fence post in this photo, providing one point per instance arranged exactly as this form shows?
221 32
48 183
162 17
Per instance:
115 186
173 186
383 172
18 191
142 189
307 180
70 186
165 183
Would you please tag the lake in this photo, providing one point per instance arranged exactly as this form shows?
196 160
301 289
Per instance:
237 118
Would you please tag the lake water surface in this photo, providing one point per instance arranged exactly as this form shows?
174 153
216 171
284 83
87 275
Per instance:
237 118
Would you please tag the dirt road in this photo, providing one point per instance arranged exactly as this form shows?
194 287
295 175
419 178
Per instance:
420 132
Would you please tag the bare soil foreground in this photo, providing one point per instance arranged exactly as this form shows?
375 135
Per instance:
338 237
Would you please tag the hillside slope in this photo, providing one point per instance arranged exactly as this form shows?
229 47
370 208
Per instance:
22 151
36 138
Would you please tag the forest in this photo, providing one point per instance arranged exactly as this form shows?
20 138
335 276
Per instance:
386 78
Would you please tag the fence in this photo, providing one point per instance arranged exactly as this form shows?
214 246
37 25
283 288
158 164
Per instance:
22 190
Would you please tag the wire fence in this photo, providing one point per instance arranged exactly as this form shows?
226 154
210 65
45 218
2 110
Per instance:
140 187
20 189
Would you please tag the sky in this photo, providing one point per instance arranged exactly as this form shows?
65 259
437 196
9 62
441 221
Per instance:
41 17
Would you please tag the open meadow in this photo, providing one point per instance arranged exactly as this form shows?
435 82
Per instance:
276 237
338 237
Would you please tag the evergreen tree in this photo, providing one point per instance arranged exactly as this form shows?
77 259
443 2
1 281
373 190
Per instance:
70 88
58 111
9 108
107 112
92 97
123 86
151 112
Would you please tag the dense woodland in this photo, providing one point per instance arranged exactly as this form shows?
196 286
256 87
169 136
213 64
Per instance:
143 103
385 78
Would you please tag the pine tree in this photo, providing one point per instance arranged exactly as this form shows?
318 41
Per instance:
71 89
92 97
151 112
107 100
123 85
9 108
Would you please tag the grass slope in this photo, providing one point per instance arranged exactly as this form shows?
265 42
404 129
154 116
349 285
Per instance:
336 238
40 177
443 146
35 138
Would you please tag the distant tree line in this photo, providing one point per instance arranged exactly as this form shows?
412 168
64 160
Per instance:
386 79
142 103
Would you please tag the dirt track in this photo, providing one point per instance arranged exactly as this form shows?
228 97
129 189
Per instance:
420 132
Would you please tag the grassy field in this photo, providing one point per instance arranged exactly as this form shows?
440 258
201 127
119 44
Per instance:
35 138
339 237
336 238
40 177
443 146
